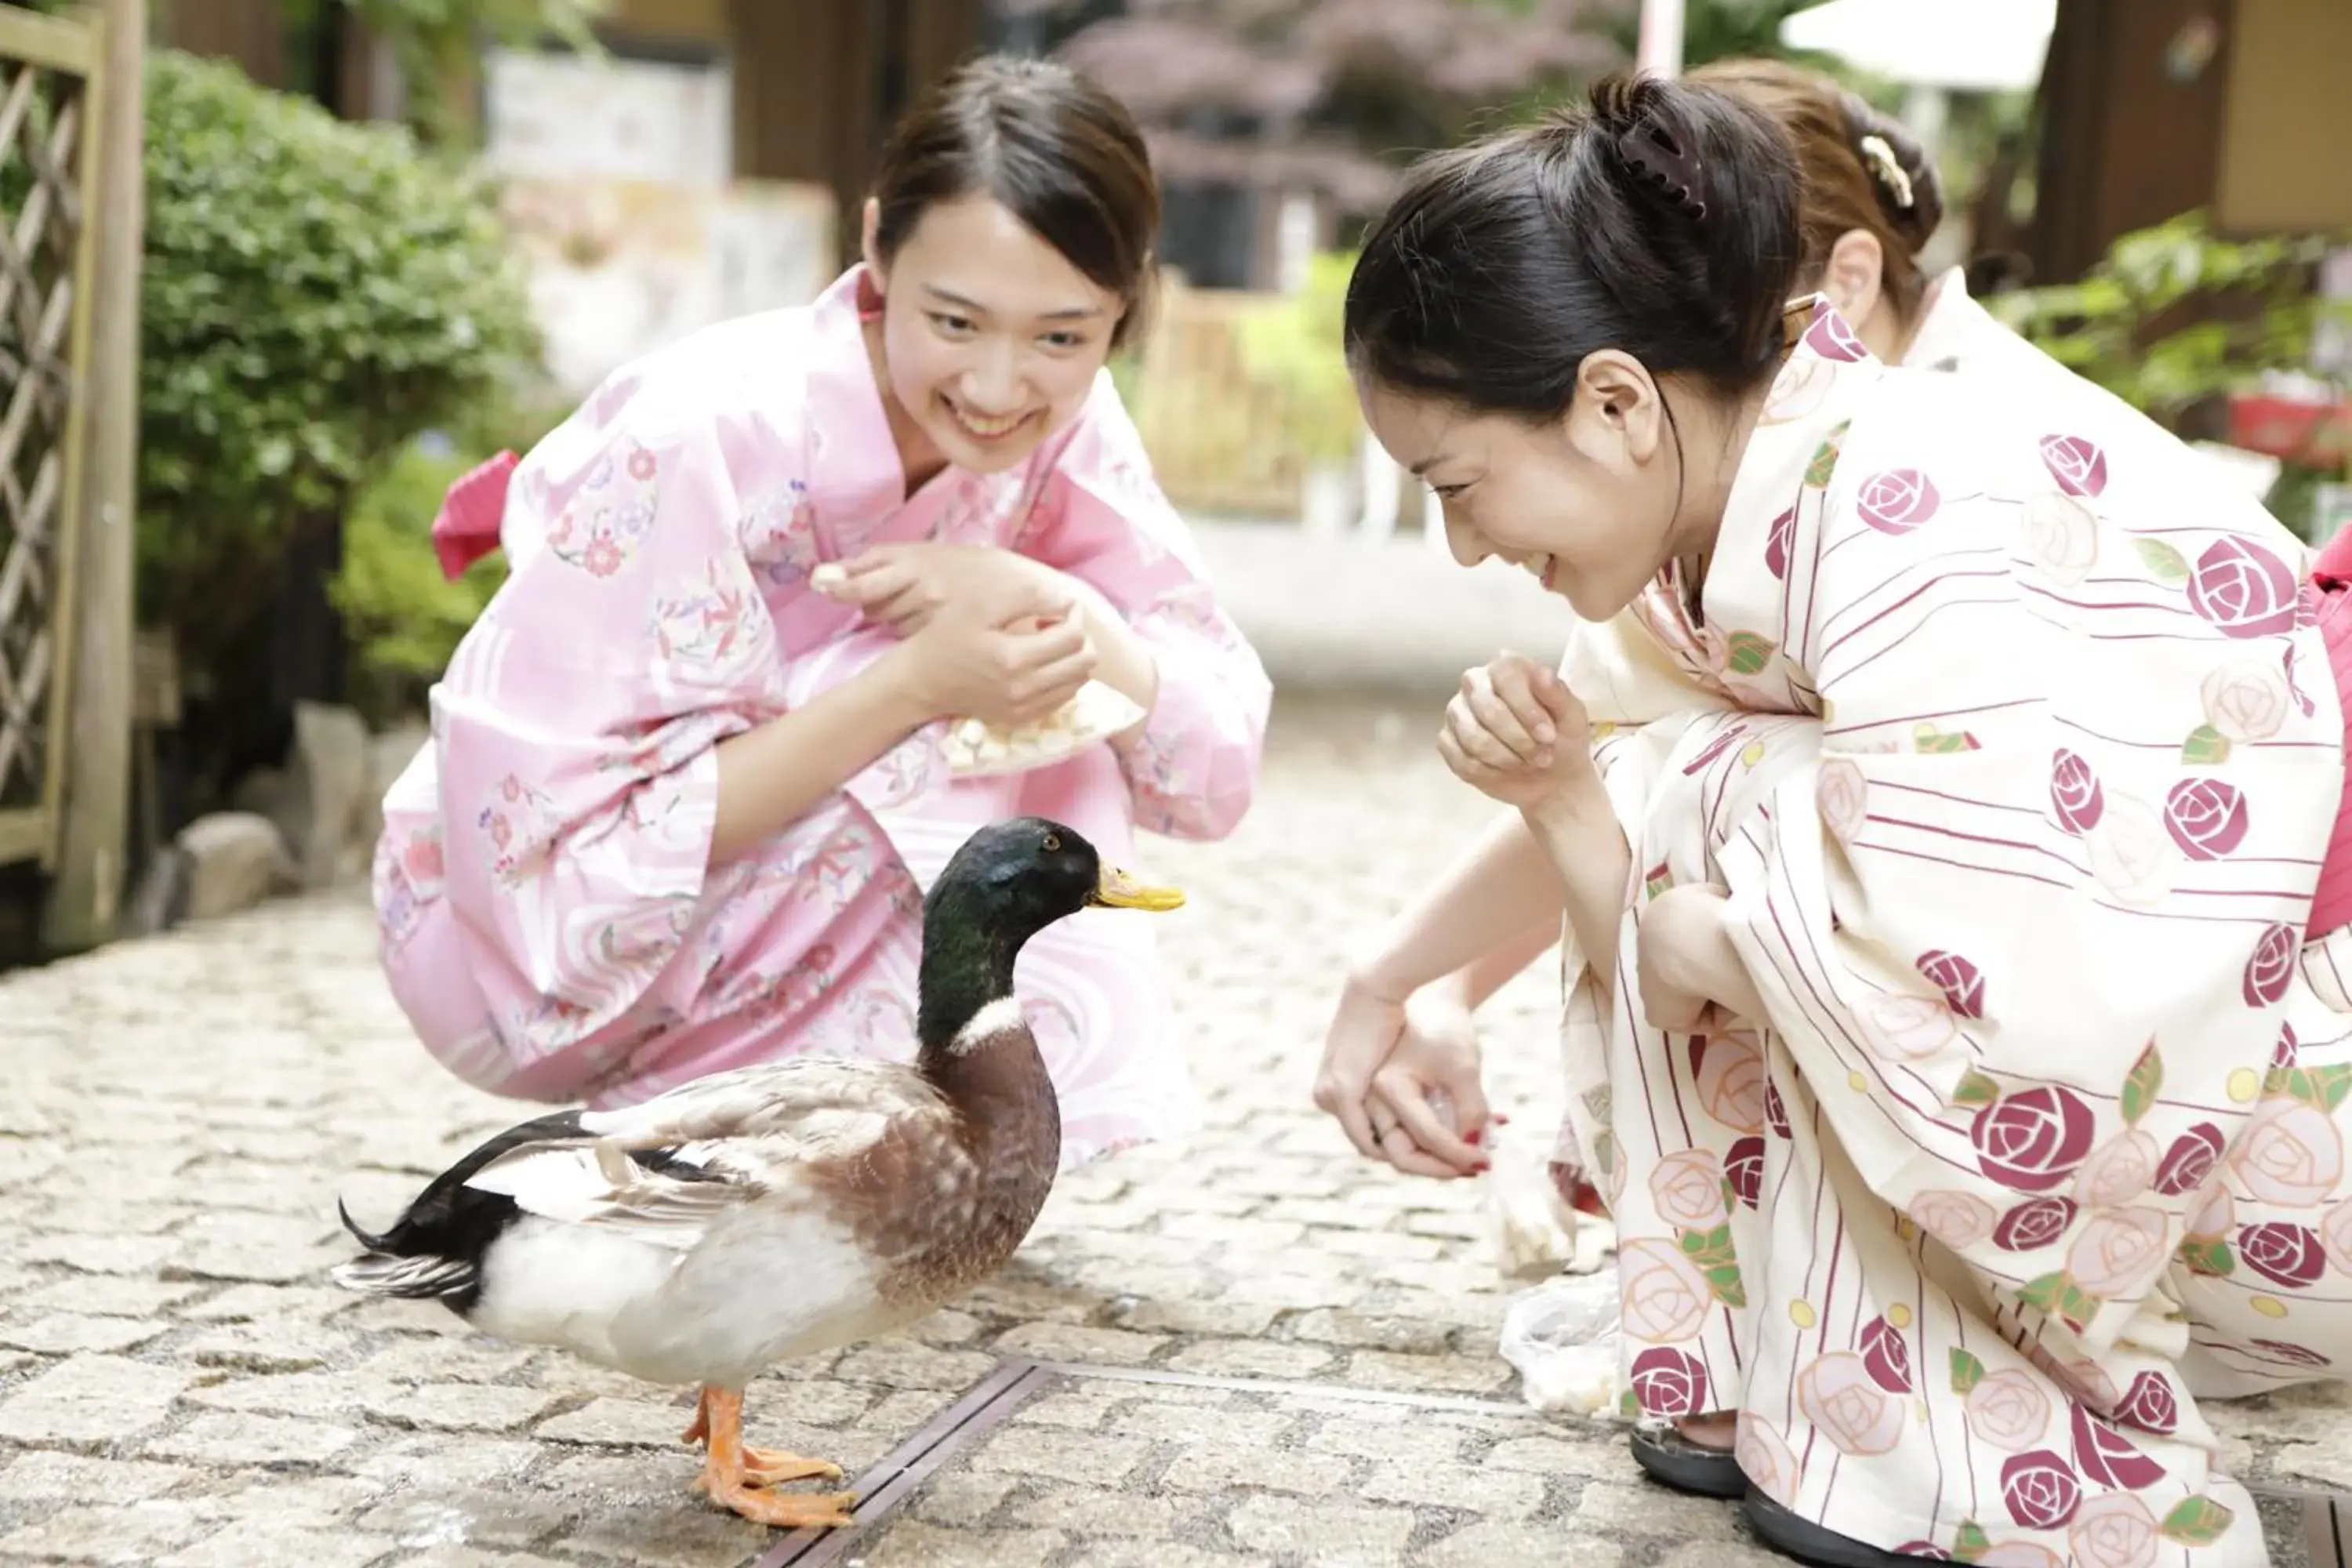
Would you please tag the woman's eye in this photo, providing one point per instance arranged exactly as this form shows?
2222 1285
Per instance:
954 326
1065 340
1448 492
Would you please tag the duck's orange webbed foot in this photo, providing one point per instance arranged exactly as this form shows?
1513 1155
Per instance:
738 1478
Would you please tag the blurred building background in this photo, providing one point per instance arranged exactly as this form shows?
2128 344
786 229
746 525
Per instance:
377 240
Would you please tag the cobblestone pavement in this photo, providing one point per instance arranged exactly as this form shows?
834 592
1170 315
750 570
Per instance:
179 1387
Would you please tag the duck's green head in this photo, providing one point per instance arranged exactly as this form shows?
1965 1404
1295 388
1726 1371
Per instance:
1016 878
1010 881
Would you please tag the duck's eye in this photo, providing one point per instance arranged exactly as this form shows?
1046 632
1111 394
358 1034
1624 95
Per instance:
1053 844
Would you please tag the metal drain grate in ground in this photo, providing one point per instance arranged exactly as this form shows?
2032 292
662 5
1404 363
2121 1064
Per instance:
884 1489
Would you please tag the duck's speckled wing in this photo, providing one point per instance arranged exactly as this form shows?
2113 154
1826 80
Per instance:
666 1171
810 1107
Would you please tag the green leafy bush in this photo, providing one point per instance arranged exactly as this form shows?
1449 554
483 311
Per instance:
1295 345
2118 325
403 616
316 294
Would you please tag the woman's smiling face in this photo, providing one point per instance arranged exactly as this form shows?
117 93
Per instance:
1585 502
991 339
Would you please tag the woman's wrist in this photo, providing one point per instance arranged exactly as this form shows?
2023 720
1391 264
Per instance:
894 684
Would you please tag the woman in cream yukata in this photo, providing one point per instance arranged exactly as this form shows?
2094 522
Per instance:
1956 1027
680 806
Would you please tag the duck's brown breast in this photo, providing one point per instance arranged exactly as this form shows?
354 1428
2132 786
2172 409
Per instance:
944 1197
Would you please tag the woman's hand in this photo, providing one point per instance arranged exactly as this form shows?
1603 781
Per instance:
1515 732
1691 976
1402 1079
1006 673
907 586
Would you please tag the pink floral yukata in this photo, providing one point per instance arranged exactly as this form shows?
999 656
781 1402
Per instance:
548 920
2019 760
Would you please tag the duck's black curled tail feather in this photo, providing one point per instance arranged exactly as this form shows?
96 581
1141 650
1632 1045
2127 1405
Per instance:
435 1250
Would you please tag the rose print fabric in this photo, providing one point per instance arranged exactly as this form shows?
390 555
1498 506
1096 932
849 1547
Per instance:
1649 662
547 921
2023 757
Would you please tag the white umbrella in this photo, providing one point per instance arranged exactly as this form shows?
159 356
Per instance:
1967 46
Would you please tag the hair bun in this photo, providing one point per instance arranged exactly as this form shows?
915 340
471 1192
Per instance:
1909 189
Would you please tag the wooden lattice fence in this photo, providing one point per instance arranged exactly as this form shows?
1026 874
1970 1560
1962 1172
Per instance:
49 74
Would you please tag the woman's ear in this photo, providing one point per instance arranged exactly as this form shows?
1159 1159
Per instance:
1856 278
869 225
1617 409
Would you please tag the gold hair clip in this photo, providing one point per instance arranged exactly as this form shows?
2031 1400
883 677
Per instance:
1886 169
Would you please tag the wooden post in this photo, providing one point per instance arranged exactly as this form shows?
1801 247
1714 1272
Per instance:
95 731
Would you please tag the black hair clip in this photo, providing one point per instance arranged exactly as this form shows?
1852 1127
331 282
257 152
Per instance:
1651 150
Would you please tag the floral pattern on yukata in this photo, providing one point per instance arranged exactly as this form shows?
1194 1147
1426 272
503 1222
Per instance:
549 919
2018 831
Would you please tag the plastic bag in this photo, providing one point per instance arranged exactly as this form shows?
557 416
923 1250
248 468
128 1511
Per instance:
1562 1338
1531 1230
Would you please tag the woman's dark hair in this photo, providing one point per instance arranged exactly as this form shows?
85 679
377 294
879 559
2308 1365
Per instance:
1058 151
1663 221
1890 191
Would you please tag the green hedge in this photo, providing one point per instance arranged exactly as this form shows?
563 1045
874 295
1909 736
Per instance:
316 294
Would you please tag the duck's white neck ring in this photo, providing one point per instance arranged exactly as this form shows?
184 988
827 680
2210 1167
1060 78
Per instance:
995 1021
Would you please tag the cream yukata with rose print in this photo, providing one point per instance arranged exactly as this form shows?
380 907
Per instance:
2020 757
549 921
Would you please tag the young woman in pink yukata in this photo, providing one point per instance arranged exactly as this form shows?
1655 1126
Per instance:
680 808
1956 1013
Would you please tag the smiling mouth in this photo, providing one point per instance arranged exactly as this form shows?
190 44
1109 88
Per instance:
985 430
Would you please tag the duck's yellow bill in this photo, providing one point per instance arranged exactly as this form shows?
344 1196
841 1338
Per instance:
1120 892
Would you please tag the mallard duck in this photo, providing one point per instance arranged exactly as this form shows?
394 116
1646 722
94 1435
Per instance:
778 1210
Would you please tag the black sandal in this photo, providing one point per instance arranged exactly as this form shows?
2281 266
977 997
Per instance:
1674 1460
1806 1541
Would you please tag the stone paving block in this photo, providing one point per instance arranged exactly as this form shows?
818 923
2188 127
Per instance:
1229 1319
1081 1408
1490 1494
140 1255
681 1537
960 1500
455 1463
608 1483
902 1364
66 1334
271 1350
239 1438
448 1516
1489 1544
1254 1358
90 1399
619 1422
140 1534
309 1502
1063 1342
112 1296
1621 1513
40 1476
910 1544
1101 1554
1060 1456
1374 1331
1202 1426
273 1304
1338 1534
1455 1374
1095 1513
1218 1469
1603 1457
1401 1439
470 1557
